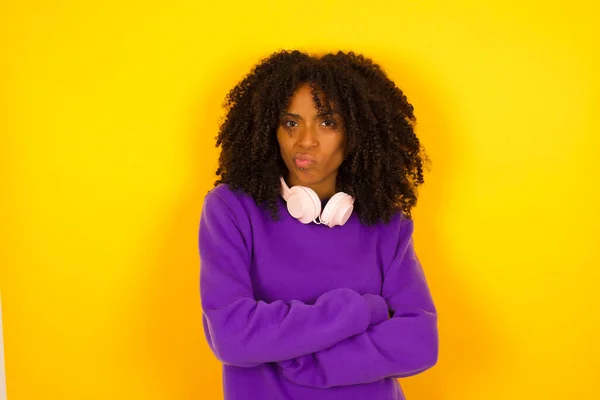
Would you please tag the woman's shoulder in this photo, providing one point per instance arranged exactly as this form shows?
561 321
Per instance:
231 200
224 191
398 223
226 194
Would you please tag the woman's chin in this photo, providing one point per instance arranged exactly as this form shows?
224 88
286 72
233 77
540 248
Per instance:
306 176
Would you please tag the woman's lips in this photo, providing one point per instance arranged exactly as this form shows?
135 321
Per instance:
303 160
302 163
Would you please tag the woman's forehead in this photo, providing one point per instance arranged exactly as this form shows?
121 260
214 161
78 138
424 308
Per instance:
303 96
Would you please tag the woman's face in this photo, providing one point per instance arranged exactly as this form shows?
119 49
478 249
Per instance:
312 145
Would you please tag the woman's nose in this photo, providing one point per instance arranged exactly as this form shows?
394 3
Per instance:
308 138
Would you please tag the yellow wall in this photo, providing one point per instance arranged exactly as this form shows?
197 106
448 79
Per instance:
108 114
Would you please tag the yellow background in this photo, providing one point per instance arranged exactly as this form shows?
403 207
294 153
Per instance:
108 118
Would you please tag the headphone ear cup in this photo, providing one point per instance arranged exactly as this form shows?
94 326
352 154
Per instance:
303 204
338 210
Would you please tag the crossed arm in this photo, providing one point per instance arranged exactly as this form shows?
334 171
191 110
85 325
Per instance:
404 345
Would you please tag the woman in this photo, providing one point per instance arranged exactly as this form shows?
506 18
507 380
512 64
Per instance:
309 282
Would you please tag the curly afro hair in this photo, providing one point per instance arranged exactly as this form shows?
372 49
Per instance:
383 164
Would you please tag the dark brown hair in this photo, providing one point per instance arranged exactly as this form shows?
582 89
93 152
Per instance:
383 165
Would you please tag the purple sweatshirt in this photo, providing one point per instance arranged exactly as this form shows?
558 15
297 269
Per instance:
299 312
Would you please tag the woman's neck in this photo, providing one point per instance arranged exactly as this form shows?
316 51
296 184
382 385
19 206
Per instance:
325 189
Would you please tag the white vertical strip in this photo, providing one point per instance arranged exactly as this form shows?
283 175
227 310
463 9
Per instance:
2 374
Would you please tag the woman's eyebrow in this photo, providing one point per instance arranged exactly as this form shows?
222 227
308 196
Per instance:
288 114
319 115
332 114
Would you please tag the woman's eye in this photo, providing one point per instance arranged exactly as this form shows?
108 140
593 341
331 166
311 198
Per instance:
289 124
329 123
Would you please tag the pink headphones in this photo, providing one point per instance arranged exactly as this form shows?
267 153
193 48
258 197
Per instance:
304 205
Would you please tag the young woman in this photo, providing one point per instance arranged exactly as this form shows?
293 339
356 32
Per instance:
309 282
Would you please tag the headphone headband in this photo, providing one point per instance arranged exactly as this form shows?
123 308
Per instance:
285 190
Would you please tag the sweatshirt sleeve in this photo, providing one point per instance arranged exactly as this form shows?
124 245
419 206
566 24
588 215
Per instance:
244 332
404 345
